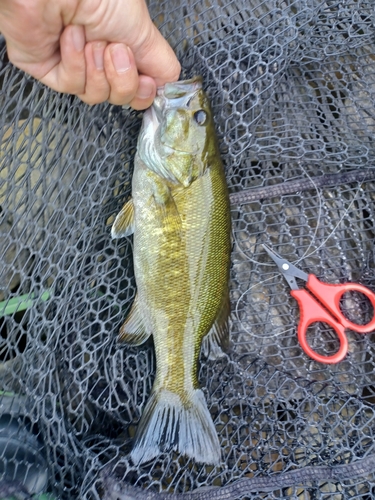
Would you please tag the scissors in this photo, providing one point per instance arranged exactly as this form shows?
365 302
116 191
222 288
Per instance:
312 310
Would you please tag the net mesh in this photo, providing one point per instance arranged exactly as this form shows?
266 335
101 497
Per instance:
292 85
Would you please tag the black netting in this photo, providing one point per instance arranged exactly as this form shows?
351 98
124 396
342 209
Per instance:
292 84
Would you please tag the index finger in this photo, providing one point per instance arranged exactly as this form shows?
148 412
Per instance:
69 73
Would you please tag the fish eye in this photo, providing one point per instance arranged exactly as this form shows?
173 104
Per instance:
200 117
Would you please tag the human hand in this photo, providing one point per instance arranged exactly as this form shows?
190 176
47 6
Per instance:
96 49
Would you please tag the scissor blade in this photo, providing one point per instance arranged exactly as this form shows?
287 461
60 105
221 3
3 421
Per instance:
289 271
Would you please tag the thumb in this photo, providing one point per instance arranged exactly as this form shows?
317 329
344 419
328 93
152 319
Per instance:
154 57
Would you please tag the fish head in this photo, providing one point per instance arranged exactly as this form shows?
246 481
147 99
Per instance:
180 131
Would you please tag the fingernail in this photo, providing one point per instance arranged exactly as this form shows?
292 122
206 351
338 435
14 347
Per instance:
78 37
145 89
98 54
120 57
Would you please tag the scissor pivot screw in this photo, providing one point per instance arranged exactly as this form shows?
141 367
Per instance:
285 266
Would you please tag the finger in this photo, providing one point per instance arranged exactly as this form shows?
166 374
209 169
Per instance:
121 73
69 75
97 87
145 93
155 57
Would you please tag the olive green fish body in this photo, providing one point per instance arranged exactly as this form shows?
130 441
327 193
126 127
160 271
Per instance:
179 214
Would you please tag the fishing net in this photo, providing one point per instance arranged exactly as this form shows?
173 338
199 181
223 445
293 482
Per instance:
292 85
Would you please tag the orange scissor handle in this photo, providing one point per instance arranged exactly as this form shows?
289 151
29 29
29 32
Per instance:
312 312
330 296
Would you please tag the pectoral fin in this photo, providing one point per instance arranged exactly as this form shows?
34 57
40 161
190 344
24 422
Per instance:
167 205
133 331
216 343
172 217
124 222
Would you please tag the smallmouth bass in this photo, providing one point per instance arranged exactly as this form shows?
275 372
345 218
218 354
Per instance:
180 217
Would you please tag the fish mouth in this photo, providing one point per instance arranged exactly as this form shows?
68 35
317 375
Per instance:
180 89
174 95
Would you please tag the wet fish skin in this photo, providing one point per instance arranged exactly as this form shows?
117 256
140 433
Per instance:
179 213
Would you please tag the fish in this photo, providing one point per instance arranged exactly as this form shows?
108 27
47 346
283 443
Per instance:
179 216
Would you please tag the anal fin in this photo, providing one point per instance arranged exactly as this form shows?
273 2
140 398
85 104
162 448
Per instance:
124 222
133 331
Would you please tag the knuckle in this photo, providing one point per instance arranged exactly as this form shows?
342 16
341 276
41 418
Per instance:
119 100
139 105
71 79
91 100
67 87
95 95
122 92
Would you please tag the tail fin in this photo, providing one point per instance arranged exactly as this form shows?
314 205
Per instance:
168 424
